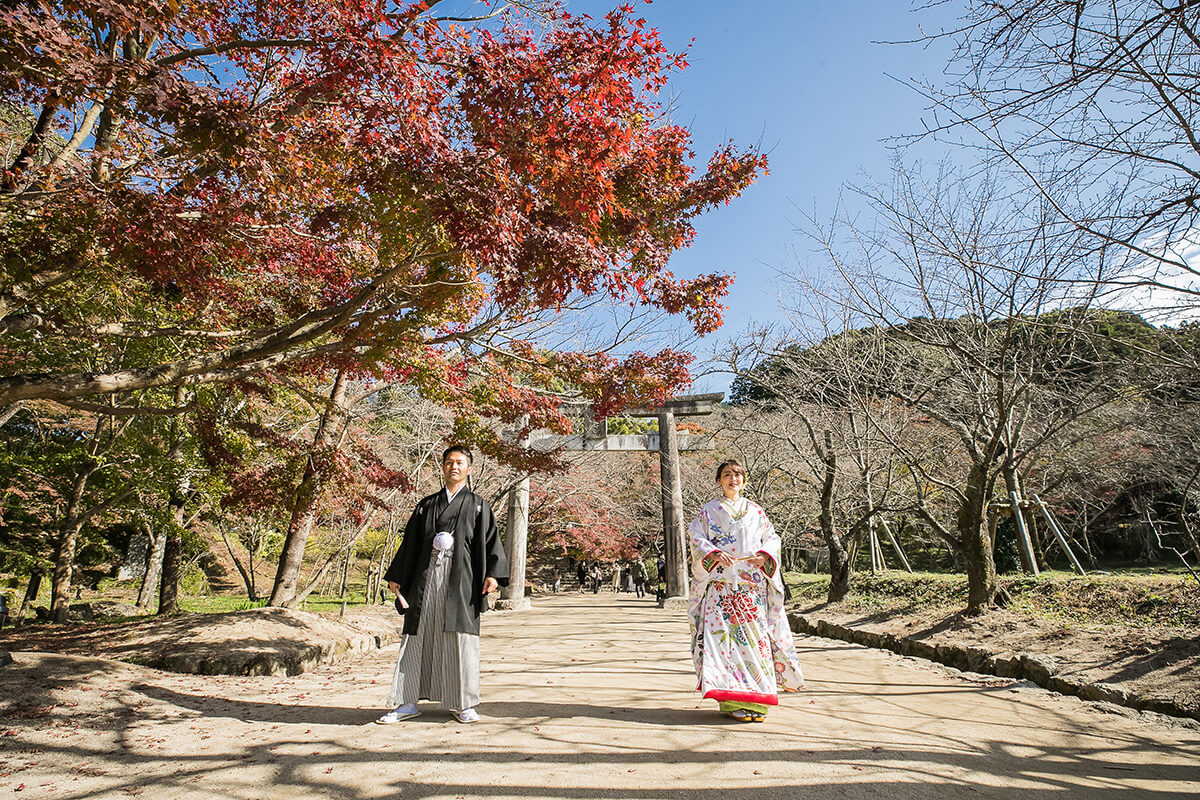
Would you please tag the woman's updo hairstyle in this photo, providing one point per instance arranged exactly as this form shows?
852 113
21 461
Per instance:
733 464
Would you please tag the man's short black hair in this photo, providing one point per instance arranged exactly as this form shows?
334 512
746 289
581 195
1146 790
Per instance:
457 448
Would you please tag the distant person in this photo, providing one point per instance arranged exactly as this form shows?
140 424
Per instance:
557 581
742 647
638 573
581 575
597 577
450 559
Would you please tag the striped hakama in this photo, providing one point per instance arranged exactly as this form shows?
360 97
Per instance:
435 665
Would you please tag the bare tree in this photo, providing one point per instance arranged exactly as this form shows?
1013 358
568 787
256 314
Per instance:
1094 107
959 291
810 409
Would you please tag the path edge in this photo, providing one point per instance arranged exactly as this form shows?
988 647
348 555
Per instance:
1033 667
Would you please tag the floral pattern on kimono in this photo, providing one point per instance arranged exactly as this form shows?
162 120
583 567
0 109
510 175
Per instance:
742 647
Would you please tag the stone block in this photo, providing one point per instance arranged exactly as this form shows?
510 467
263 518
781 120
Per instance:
1007 665
951 655
109 609
513 604
915 647
1063 685
1106 693
979 659
889 641
1038 668
676 604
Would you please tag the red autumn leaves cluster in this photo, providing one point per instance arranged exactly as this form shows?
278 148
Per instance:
307 182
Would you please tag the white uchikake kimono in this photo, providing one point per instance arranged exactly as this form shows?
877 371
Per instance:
742 647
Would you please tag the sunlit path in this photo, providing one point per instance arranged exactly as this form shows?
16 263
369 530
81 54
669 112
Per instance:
583 697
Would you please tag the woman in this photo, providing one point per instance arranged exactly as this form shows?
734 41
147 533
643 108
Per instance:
742 647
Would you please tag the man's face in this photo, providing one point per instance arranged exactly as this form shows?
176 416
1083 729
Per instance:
456 468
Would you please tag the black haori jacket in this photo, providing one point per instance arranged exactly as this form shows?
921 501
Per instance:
478 553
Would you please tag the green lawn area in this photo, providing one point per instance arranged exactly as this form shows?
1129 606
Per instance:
1128 598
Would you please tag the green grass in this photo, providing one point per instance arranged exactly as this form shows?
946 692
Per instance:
217 604
1125 599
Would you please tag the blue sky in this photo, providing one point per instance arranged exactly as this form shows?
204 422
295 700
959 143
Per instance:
807 81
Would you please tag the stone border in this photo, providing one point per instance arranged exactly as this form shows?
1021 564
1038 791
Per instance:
1039 669
276 663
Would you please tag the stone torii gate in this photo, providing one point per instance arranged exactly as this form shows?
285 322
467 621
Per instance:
668 443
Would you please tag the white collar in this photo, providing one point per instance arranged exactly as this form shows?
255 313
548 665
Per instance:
450 497
736 509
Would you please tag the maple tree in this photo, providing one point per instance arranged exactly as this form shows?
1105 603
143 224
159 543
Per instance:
305 185
258 194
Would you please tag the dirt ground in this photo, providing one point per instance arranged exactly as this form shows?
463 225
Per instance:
583 697
258 641
1149 661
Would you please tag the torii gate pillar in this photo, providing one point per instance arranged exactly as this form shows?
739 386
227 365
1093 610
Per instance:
675 543
516 542
668 446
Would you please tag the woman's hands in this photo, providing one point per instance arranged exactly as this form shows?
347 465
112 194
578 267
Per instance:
721 559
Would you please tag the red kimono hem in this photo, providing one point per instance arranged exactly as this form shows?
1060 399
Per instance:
742 697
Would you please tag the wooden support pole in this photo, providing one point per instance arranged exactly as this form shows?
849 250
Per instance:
1059 535
672 505
1024 543
877 564
895 544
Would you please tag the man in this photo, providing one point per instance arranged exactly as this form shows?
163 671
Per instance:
450 559
638 571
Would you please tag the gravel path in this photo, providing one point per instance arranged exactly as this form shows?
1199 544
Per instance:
583 697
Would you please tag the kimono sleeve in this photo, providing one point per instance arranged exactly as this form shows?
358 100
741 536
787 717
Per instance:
495 562
702 545
771 544
400 568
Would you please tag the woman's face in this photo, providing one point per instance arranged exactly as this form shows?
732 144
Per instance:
732 481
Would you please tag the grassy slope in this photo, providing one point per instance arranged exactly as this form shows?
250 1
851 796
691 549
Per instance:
1130 599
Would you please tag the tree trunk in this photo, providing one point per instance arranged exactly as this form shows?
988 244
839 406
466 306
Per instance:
168 590
839 576
154 566
64 559
841 565
308 493
977 543
33 145
247 574
31 593
346 557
